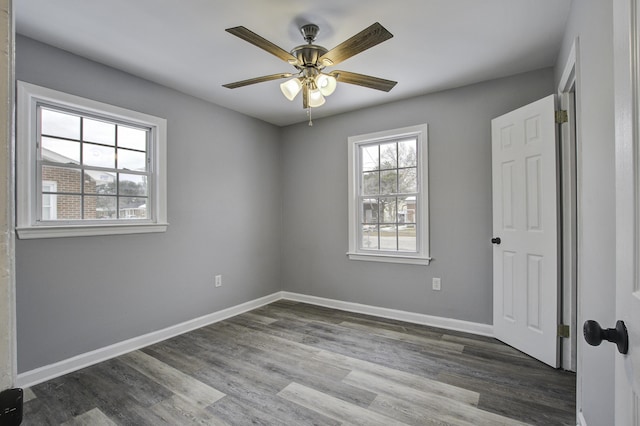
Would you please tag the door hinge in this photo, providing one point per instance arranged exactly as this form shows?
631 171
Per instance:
562 116
564 331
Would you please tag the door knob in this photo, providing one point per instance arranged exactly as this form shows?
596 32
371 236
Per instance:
496 240
594 335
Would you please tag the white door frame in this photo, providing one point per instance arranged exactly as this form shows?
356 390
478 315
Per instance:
568 94
8 356
626 65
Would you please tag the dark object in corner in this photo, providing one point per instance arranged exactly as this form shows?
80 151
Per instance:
11 407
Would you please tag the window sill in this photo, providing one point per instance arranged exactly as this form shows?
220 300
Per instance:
34 232
389 258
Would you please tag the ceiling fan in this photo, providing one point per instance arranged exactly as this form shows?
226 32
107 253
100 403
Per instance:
310 60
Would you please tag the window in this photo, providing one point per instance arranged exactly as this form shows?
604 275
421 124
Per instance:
388 196
87 168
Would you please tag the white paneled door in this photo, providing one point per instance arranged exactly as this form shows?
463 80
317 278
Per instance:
525 216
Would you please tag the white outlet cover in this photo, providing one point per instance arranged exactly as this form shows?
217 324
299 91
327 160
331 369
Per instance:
435 284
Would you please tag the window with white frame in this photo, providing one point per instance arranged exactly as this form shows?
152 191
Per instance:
388 196
86 167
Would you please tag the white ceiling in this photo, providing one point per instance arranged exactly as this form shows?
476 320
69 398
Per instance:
437 44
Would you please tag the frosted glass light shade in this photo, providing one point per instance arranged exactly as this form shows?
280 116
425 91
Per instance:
326 83
290 88
315 98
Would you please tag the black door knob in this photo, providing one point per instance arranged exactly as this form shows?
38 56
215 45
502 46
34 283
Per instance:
594 335
496 240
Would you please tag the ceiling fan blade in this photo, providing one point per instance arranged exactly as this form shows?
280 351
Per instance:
262 43
365 39
256 80
364 80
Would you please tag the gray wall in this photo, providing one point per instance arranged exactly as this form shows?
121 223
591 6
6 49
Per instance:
75 295
592 22
314 188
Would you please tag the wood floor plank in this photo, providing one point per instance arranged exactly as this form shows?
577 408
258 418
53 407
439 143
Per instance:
428 404
405 356
179 411
334 407
394 325
93 417
495 346
179 352
412 381
282 367
258 318
292 354
254 391
416 415
175 380
276 411
532 404
405 337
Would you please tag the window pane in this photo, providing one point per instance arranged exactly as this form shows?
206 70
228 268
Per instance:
388 237
98 131
69 207
370 183
407 153
98 156
370 158
388 210
388 181
408 180
133 208
60 179
407 209
99 207
407 237
55 123
132 160
99 182
49 211
132 185
369 237
60 151
388 156
369 209
128 137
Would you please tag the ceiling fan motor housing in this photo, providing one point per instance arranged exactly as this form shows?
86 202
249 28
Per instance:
308 55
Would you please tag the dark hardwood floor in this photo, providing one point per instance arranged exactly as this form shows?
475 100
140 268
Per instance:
291 363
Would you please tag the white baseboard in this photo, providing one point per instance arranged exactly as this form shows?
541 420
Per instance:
41 374
581 419
412 317
47 372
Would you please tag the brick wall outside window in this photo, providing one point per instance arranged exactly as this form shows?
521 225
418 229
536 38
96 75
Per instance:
69 207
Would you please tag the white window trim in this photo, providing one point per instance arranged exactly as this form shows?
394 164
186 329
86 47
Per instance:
29 96
354 253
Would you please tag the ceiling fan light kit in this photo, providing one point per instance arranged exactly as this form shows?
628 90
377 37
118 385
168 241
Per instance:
310 60
291 88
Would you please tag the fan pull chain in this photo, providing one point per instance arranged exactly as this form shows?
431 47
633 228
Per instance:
309 115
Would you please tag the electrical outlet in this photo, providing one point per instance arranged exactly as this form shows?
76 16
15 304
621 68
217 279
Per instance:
218 280
435 283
